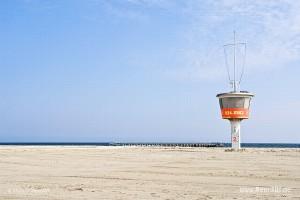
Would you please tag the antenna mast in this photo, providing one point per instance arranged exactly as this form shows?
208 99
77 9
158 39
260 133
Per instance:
234 79
235 75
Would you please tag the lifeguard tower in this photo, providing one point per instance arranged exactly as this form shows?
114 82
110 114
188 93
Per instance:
235 104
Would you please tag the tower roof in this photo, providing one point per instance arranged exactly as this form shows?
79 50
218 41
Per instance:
235 94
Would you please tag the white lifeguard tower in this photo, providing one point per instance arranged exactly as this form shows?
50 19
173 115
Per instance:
235 104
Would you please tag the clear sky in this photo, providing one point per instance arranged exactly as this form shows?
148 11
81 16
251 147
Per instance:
145 70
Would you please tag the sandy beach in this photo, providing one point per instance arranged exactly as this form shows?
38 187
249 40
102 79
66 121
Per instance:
148 173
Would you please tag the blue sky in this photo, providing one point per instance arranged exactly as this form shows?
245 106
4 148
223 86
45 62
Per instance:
144 70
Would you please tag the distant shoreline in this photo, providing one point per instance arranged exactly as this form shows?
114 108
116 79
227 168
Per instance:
153 144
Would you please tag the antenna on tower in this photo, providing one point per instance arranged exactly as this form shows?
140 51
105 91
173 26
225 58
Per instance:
235 70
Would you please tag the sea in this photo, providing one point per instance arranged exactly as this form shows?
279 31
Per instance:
243 145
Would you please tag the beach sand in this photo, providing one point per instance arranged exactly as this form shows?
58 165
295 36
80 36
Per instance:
148 173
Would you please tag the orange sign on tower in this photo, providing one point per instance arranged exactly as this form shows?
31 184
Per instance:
235 113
